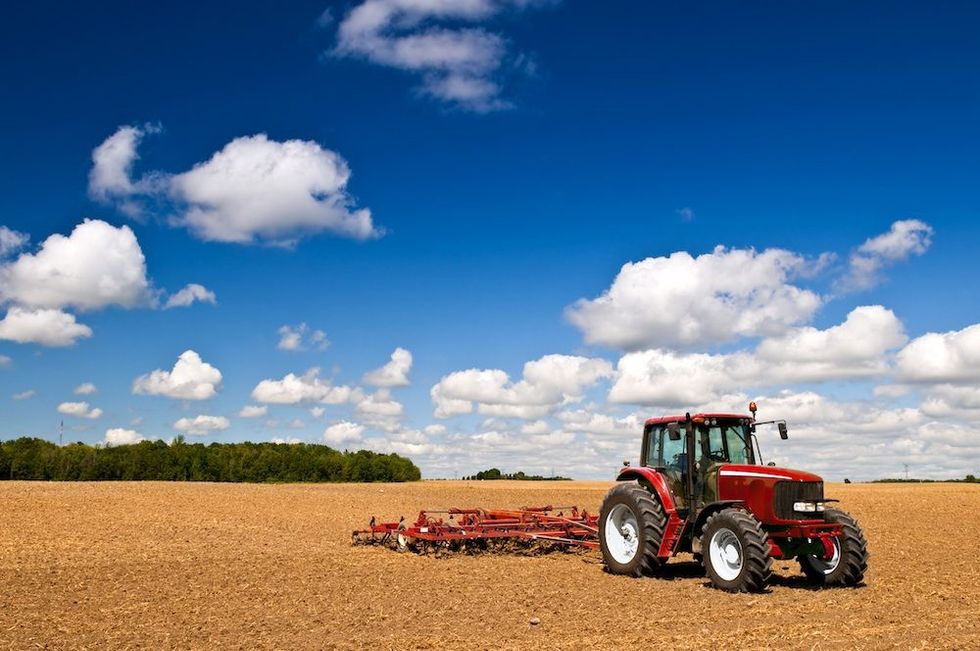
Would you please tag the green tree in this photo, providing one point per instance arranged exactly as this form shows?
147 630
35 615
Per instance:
32 458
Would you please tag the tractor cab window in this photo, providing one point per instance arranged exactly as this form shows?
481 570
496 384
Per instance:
726 443
664 453
716 444
673 454
739 444
672 457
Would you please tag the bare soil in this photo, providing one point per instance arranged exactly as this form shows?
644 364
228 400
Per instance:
159 565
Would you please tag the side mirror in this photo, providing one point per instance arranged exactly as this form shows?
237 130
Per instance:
674 431
782 431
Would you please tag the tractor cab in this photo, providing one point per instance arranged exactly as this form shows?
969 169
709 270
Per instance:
690 450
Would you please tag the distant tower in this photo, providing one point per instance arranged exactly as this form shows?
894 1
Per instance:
906 471
61 433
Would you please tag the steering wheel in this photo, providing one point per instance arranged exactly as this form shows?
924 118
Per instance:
717 455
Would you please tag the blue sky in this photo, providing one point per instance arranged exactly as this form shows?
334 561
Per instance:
513 157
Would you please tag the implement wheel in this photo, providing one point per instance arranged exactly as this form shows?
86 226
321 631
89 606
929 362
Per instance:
631 526
736 552
849 562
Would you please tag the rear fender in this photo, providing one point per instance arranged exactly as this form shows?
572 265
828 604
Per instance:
657 484
654 480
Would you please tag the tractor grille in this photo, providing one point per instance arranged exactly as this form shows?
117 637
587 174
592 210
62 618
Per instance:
788 492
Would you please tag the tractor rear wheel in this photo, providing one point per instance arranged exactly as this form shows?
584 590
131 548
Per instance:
631 527
736 552
850 559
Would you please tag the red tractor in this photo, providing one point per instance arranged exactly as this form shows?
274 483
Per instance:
702 488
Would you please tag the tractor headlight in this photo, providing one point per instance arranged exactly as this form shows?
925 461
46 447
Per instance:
807 507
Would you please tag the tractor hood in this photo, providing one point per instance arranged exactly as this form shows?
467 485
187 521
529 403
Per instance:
764 489
748 473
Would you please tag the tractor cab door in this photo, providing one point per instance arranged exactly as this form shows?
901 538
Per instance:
716 444
670 457
708 459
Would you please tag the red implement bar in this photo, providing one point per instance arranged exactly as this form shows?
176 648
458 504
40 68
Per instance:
565 525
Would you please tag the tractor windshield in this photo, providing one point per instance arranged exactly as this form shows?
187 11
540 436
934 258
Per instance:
727 442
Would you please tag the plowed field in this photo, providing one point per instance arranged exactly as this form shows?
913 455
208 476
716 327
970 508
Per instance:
157 565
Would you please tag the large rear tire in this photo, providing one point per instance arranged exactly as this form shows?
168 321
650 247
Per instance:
631 527
736 552
849 562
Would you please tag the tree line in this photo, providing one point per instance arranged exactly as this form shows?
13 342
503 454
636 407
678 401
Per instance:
37 459
494 473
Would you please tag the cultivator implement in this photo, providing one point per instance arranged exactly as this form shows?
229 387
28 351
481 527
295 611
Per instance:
480 529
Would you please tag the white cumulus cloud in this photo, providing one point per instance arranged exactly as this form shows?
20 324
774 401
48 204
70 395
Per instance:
289 440
459 62
96 266
343 432
302 337
11 241
110 178
190 379
681 300
85 389
202 425
959 402
44 327
253 411
942 357
547 383
254 190
860 342
380 410
79 410
191 293
257 189
119 436
394 373
293 389
858 348
904 239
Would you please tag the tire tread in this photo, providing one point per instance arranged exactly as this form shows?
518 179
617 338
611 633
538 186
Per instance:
654 520
755 551
854 554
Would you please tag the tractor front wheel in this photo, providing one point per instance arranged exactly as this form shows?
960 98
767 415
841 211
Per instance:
735 551
847 565
631 526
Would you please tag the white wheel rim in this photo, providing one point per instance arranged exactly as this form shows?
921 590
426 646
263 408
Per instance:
622 534
828 565
725 552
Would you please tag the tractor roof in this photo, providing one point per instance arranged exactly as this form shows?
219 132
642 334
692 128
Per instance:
673 419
